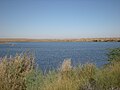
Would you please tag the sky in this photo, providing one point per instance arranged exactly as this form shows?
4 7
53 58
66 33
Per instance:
59 19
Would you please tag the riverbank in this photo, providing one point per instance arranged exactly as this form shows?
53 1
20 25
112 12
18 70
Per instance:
21 73
7 40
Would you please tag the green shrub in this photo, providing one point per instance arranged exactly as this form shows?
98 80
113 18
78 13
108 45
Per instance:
114 55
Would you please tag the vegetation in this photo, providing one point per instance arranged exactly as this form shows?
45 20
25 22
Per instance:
7 40
21 73
114 55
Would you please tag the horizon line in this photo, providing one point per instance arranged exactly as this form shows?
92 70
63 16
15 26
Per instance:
61 38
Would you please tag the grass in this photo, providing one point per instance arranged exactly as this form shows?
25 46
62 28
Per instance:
7 40
20 73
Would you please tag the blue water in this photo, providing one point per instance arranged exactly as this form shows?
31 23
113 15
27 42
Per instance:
51 54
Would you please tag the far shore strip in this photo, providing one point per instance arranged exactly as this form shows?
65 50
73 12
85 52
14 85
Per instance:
7 40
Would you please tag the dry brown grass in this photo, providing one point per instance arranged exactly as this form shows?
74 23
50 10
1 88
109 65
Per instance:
13 71
5 40
66 65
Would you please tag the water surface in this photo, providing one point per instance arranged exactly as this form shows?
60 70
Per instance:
51 54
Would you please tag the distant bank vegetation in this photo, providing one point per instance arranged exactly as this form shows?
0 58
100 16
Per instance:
6 40
21 73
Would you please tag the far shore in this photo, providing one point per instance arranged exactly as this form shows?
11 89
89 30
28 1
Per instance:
7 40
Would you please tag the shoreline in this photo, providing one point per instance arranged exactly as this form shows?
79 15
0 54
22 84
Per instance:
7 40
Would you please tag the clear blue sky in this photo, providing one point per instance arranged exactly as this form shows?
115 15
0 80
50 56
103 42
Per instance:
59 18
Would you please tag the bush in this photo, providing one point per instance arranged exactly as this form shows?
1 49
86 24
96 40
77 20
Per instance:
114 55
13 71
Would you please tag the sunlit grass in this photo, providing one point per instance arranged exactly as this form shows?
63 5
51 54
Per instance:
13 71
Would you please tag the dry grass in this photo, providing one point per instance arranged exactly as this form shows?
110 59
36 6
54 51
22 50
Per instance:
86 77
66 65
13 71
5 40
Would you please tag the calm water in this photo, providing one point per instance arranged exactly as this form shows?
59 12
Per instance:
51 54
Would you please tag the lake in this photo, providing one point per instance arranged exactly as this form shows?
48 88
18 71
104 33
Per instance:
51 54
